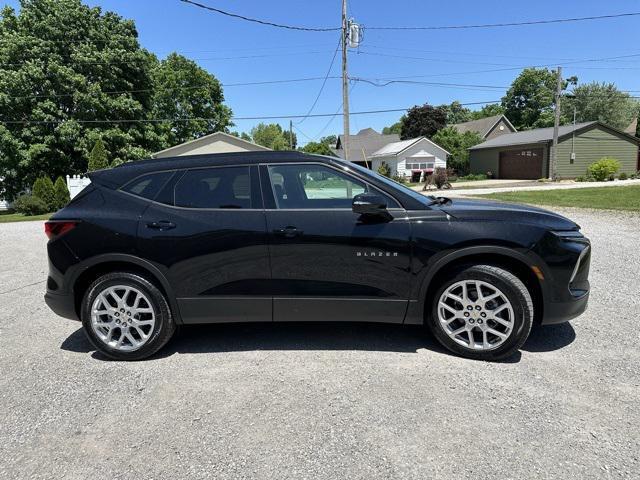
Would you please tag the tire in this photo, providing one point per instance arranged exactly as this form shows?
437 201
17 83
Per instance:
143 316
501 324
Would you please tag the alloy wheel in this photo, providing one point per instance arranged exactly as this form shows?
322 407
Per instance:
476 315
123 318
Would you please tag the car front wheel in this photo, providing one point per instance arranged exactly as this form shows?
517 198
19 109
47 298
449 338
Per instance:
482 312
126 317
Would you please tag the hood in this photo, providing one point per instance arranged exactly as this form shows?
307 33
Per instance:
509 212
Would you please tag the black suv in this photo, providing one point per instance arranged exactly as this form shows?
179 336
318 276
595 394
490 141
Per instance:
285 236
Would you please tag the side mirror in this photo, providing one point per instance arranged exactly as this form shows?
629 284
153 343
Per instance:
369 204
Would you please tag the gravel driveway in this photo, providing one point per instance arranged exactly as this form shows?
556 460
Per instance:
323 401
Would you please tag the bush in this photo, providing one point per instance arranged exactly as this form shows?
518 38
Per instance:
581 178
60 193
473 177
30 205
603 169
439 179
384 169
622 176
43 189
98 158
399 179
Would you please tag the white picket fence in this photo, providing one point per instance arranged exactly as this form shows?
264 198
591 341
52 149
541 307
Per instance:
76 183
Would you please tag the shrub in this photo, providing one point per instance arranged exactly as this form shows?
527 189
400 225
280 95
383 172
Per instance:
384 169
60 193
603 169
30 205
98 158
399 179
43 189
622 176
439 178
473 177
581 178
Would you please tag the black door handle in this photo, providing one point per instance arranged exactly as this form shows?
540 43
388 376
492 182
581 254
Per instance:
161 225
288 232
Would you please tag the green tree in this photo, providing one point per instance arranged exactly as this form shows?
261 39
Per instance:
529 102
272 136
329 140
182 90
60 193
602 102
490 110
456 113
318 148
43 189
422 121
395 128
457 144
98 158
58 60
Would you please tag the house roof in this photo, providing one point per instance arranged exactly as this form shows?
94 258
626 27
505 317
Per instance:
537 135
366 140
483 125
396 148
544 135
631 129
212 137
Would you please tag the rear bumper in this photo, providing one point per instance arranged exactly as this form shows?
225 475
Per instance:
559 312
62 305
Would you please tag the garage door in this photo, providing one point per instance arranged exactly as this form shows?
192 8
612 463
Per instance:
521 164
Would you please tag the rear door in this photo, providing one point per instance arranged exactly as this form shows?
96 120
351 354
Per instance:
328 263
207 230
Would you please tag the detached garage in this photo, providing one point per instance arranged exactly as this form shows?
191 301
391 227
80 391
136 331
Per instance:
525 155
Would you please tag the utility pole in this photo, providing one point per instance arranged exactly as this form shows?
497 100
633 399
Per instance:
553 165
345 81
290 134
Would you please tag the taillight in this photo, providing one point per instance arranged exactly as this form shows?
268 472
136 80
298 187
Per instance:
55 228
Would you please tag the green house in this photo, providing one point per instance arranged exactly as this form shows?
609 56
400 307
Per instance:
525 155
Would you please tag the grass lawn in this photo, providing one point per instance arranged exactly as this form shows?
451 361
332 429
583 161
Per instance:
611 198
18 217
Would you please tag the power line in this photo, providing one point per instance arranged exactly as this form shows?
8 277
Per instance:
143 60
324 82
267 117
510 24
143 90
262 22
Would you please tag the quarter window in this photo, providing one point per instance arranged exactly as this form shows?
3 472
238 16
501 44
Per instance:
221 187
147 186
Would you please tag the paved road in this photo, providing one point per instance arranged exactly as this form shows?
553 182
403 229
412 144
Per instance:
323 401
460 190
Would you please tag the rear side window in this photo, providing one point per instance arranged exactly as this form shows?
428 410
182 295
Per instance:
147 186
220 187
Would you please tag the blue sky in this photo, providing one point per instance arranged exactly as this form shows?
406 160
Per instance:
237 52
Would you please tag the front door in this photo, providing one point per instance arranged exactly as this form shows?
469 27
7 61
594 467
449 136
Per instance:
328 263
207 230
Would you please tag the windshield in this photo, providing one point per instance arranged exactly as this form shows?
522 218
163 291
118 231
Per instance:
392 183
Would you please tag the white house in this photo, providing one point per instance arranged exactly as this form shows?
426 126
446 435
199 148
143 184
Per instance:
218 142
413 158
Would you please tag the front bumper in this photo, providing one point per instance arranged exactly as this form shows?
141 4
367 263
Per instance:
559 312
62 305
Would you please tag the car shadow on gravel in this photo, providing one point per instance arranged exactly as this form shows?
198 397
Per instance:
318 336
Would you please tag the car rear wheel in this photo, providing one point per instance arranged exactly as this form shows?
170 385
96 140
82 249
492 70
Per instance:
482 312
126 317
